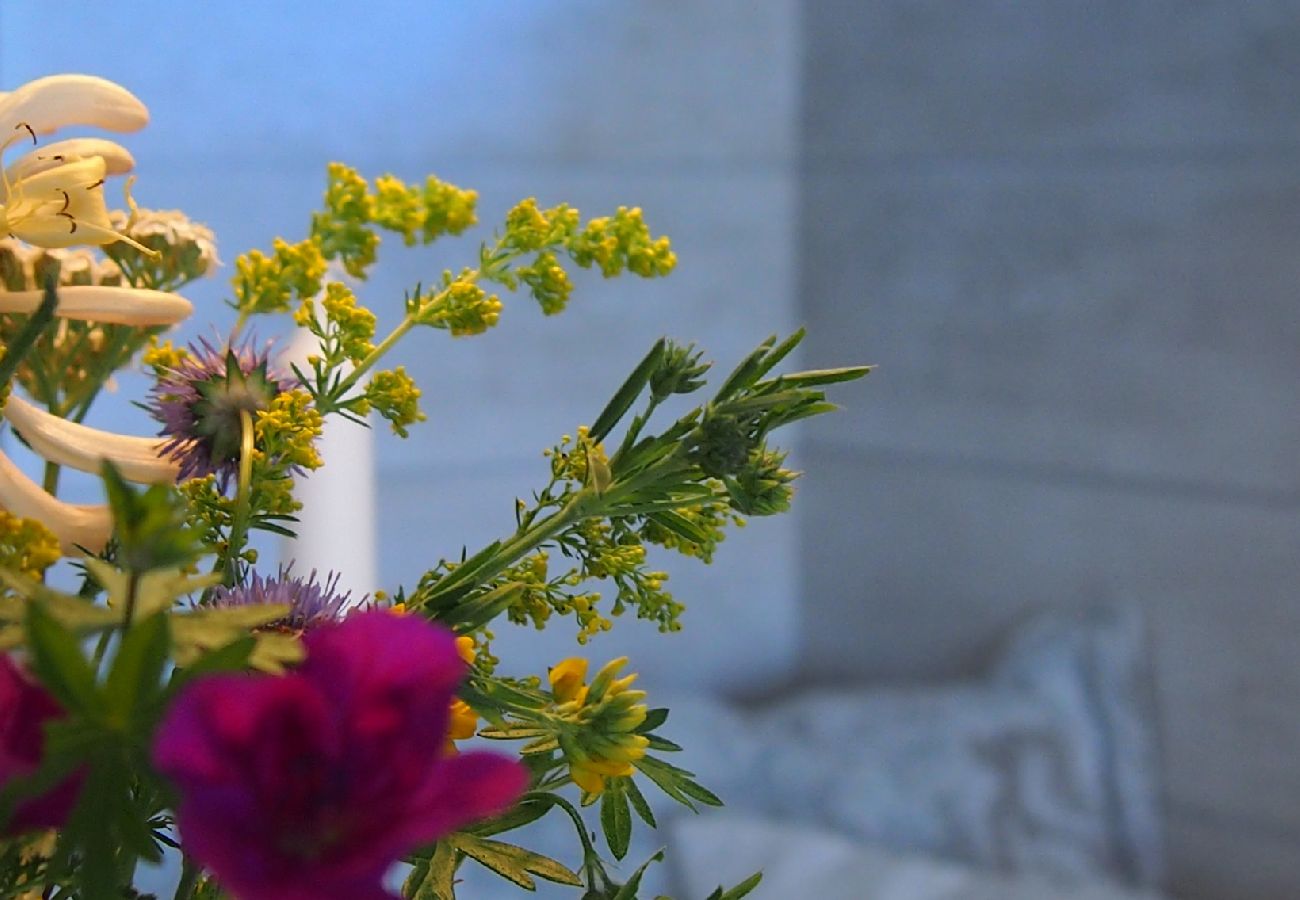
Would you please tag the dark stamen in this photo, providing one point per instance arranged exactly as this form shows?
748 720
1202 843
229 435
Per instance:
29 130
67 201
91 187
69 217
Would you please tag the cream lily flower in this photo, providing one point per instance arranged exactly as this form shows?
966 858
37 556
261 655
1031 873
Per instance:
117 159
75 525
84 448
55 101
105 303
62 206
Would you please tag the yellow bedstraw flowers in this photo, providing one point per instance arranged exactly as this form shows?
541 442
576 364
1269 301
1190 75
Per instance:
609 713
462 721
53 198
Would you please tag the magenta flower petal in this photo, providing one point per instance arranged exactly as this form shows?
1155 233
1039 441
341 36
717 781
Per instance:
25 708
313 784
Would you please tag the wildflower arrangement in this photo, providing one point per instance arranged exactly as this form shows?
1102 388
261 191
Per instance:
161 692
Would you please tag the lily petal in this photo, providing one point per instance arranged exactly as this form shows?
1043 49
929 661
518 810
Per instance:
105 303
49 103
85 448
75 525
117 159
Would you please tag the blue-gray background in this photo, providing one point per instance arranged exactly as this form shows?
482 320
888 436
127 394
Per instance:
1067 232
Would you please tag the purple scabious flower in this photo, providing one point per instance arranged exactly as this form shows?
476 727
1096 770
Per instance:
199 403
312 784
311 603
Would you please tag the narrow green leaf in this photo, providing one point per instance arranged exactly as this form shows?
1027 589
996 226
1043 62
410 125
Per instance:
818 377
742 889
40 319
615 818
700 793
681 526
626 395
639 803
658 743
746 372
57 659
230 658
653 719
779 352
629 890
514 863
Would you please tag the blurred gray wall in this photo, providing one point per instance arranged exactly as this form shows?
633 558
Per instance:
1069 234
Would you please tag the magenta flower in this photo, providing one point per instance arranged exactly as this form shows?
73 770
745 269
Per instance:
309 786
25 707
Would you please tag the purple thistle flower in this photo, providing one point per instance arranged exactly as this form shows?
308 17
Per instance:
311 603
199 404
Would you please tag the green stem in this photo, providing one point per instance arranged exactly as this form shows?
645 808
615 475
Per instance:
243 493
132 591
373 357
578 508
51 480
189 880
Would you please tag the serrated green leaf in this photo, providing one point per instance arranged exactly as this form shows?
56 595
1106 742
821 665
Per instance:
615 818
433 878
155 591
233 657
513 863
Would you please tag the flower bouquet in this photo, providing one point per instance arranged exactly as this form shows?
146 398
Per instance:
160 693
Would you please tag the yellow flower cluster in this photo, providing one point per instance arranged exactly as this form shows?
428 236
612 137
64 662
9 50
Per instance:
608 712
462 721
341 227
353 325
529 228
162 356
269 284
26 546
288 428
462 307
622 241
418 214
394 395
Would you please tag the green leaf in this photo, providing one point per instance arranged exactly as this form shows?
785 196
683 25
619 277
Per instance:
741 889
681 526
529 810
233 657
57 659
653 719
18 347
667 778
626 395
700 793
513 863
134 681
639 803
628 890
615 818
818 377
433 878
663 744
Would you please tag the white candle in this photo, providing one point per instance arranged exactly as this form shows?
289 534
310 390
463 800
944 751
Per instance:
336 526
